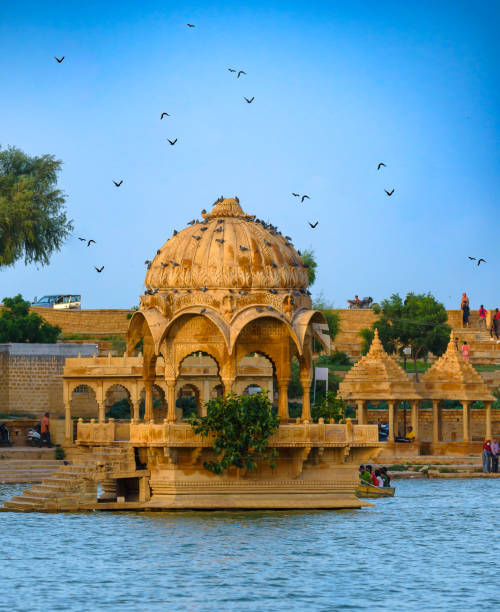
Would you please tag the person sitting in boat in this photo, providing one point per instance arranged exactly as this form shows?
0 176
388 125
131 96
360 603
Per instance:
373 478
385 477
380 481
364 475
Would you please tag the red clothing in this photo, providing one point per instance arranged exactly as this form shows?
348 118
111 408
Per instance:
497 316
482 313
487 446
44 426
374 479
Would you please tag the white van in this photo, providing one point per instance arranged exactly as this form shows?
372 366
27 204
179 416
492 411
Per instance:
67 301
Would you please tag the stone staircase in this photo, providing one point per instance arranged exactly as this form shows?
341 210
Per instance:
72 485
17 471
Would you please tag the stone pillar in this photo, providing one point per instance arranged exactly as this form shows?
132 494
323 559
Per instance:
436 425
228 383
488 420
148 400
101 412
283 399
206 397
361 412
391 421
270 390
68 423
306 399
171 414
466 421
414 418
134 410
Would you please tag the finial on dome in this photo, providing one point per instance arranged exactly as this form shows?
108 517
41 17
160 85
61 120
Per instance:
227 207
376 344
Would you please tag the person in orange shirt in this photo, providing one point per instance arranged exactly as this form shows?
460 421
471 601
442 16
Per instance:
465 351
45 430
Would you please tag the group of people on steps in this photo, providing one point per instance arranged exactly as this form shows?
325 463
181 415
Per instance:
494 325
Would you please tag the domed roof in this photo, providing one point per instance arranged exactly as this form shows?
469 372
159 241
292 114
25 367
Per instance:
227 249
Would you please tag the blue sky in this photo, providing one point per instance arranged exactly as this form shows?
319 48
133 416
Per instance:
338 86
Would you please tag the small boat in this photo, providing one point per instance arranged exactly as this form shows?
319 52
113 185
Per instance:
367 490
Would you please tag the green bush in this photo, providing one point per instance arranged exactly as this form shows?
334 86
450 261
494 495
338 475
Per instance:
59 453
332 407
241 426
294 410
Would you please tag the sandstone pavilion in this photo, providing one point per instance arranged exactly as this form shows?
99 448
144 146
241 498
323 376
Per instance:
227 287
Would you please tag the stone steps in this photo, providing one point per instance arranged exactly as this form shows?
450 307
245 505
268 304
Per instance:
27 470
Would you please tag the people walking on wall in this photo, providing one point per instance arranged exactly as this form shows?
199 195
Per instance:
494 456
465 313
486 456
482 317
45 430
494 325
465 351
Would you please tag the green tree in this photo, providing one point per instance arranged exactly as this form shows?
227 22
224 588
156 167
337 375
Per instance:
332 318
332 407
33 222
309 260
241 426
18 324
418 322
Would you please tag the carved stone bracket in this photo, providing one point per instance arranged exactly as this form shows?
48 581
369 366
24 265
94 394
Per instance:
298 461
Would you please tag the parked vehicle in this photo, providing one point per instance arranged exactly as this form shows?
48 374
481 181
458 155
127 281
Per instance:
34 436
66 301
4 435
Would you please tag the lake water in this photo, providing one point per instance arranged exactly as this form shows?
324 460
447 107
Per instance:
435 546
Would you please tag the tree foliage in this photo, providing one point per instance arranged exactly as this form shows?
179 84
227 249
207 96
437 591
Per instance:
418 322
309 259
241 426
331 408
332 318
33 222
18 324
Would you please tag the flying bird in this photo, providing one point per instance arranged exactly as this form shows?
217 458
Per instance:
471 258
118 184
172 142
59 60
190 25
479 262
313 225
232 70
99 269
88 243
304 197
164 115
83 239
240 73
380 165
297 195
389 193
249 101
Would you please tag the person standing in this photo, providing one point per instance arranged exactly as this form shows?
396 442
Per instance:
465 351
486 456
465 313
494 456
482 317
45 430
494 325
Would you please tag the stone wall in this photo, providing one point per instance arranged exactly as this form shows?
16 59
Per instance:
31 376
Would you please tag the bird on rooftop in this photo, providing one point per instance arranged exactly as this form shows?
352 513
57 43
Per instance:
273 291
192 222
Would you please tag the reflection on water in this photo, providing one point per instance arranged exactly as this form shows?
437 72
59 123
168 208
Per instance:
432 547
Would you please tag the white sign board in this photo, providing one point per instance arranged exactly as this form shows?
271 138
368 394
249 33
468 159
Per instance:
321 373
407 350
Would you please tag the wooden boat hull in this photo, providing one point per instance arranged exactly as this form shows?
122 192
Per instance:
369 491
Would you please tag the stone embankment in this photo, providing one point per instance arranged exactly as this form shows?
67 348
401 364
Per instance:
437 467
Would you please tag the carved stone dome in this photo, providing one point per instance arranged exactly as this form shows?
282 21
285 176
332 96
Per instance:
227 249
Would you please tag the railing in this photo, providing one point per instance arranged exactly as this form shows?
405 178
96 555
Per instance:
182 434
